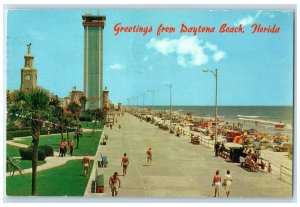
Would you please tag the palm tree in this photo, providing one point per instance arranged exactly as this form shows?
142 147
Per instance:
68 121
83 101
74 108
34 106
98 117
14 165
57 114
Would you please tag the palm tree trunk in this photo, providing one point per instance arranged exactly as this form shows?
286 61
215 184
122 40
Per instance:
95 123
34 165
36 126
77 140
68 134
62 132
78 133
77 122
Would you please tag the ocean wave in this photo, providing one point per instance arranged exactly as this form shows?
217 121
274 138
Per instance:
261 121
289 126
250 117
213 117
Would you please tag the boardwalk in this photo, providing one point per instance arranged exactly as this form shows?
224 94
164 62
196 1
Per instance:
179 169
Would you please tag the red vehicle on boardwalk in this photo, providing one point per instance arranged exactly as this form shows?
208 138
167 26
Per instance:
249 163
195 139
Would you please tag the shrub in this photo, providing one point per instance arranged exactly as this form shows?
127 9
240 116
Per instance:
9 137
26 154
48 150
85 119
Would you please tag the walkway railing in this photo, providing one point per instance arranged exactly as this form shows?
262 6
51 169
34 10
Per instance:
206 143
284 173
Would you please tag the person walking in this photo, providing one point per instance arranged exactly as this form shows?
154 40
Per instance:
113 184
71 145
65 148
217 146
217 183
227 181
149 156
62 146
125 163
86 164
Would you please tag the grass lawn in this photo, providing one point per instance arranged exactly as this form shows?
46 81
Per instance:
13 151
87 144
66 180
90 125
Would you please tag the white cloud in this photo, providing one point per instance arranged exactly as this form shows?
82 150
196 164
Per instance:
211 46
181 61
219 55
189 50
116 66
248 19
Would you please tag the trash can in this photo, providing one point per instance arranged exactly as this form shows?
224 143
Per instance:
100 183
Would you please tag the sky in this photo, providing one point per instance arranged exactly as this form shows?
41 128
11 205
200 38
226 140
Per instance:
253 68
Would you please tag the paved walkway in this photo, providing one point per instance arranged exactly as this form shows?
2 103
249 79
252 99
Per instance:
179 168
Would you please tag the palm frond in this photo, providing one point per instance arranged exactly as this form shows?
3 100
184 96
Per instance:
14 165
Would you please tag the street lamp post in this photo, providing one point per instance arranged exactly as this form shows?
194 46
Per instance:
133 98
170 86
216 100
137 103
152 91
143 94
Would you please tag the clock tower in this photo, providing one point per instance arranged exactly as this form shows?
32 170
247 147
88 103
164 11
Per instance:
28 72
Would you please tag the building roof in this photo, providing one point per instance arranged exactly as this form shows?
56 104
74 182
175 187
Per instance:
90 17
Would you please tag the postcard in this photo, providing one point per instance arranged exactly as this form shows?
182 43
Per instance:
150 103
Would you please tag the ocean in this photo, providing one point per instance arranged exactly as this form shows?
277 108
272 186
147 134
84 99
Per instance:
262 118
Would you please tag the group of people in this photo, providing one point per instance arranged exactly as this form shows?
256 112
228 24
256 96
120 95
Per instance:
63 147
217 183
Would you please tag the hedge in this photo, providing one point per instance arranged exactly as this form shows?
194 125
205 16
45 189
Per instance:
48 150
26 154
85 119
23 133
